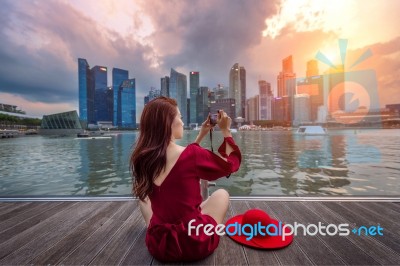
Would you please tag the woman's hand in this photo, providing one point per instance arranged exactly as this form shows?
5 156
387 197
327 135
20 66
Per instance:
205 128
224 122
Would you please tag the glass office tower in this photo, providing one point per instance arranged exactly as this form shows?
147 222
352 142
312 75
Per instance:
194 91
118 76
103 102
126 104
178 91
86 92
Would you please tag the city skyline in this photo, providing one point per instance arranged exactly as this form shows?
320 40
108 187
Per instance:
44 48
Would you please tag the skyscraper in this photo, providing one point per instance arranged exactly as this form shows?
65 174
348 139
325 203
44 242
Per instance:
234 88
221 92
312 68
202 104
302 109
253 105
194 80
86 92
242 76
165 86
286 78
118 76
103 96
153 93
126 104
266 100
286 81
178 91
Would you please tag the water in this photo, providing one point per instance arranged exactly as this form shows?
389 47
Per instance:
347 162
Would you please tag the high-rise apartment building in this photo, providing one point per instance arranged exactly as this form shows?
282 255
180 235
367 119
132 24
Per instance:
118 76
178 91
194 81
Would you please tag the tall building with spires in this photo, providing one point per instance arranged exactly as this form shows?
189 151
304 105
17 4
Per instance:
178 91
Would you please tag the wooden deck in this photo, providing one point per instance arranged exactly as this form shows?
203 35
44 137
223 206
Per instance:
113 232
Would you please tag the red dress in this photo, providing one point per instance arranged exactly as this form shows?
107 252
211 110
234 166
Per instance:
177 201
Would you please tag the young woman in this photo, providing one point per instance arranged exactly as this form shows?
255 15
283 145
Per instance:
166 179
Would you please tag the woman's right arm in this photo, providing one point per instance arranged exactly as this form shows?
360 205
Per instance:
224 122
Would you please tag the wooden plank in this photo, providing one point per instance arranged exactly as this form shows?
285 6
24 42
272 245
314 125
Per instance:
115 250
77 235
37 209
14 210
373 252
382 248
138 253
7 205
303 250
342 248
73 233
88 249
255 256
394 206
17 236
382 209
228 251
54 229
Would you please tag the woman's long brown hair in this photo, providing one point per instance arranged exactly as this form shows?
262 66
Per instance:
149 156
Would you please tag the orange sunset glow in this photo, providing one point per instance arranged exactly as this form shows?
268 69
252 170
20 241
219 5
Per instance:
40 47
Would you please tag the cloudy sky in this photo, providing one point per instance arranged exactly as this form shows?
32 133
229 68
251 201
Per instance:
42 40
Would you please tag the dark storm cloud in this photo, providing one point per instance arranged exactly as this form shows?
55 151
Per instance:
45 70
213 35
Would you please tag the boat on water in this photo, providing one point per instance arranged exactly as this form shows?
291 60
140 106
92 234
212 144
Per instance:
311 131
8 133
94 137
99 134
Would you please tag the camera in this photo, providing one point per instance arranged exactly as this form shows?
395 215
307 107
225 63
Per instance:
213 118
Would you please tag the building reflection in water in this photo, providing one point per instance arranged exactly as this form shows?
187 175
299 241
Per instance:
322 160
105 166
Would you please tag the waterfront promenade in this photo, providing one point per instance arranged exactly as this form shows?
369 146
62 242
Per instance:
112 232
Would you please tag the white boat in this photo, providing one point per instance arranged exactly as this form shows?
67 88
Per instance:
311 130
8 133
92 137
